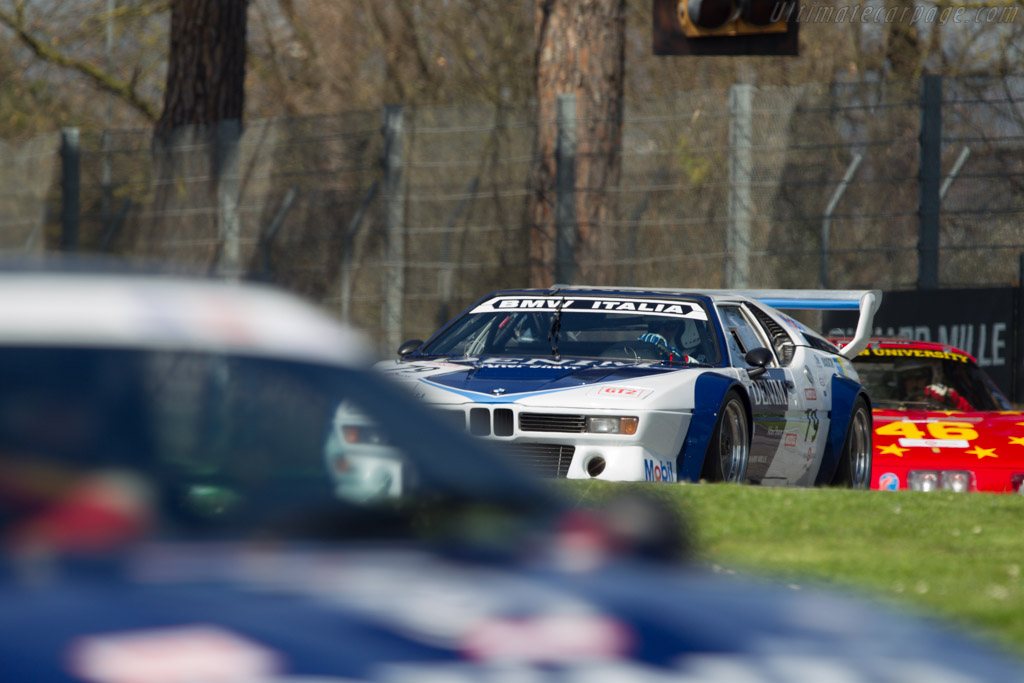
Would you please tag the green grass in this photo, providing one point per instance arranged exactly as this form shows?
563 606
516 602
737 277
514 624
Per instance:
955 556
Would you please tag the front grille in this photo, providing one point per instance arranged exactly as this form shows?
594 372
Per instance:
545 422
541 459
480 422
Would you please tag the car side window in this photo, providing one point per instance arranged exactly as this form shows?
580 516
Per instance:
741 335
782 343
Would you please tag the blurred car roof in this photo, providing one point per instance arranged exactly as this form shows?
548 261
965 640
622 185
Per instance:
92 301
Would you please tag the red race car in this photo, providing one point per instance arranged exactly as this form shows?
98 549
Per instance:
940 422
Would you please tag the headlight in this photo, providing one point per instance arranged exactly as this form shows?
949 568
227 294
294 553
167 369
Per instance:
957 481
923 480
612 425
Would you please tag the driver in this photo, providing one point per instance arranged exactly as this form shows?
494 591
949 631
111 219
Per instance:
919 383
661 330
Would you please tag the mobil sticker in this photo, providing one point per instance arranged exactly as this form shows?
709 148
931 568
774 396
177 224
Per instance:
659 470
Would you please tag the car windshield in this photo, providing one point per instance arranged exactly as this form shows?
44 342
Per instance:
233 446
929 383
613 329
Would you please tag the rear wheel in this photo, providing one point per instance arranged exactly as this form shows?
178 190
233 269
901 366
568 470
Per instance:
729 450
854 470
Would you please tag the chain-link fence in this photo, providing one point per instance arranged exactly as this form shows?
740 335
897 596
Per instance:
396 221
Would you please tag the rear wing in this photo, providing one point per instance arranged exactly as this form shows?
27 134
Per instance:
866 301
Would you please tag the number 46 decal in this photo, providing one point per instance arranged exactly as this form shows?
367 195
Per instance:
936 430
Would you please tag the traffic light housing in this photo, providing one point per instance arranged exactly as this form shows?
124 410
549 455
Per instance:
725 27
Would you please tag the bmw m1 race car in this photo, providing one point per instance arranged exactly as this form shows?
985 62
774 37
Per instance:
663 385
940 422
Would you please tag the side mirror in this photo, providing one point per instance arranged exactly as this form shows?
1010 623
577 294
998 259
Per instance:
759 358
408 347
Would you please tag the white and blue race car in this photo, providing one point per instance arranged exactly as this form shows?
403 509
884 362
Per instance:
666 385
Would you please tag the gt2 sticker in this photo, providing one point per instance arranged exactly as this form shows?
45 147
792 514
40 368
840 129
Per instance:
675 309
659 470
622 392
938 435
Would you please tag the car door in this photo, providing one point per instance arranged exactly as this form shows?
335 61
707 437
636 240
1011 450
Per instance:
776 406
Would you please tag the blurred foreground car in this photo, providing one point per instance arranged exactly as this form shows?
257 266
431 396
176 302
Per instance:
630 384
940 422
200 484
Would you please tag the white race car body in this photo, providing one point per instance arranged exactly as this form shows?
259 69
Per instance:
573 396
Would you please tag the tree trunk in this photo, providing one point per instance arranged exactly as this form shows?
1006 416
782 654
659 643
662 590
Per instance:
580 49
195 143
206 64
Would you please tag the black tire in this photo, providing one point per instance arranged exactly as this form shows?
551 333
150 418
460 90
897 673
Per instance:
729 450
854 468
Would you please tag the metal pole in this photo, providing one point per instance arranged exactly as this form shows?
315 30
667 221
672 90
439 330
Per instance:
446 275
826 224
954 172
394 210
929 173
70 155
346 257
228 136
737 238
565 179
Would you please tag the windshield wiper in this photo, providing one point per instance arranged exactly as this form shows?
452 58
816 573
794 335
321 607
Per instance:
556 327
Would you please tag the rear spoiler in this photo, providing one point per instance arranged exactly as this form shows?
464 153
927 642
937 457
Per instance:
866 301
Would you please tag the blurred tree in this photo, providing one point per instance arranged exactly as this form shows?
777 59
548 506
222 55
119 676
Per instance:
205 64
579 50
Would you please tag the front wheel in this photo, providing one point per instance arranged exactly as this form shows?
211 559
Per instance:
854 469
729 450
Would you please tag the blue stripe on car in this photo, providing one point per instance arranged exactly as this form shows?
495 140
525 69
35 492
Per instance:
844 394
710 388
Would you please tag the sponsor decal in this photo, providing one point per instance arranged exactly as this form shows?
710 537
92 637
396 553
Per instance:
810 394
622 392
769 392
933 443
675 309
791 438
659 470
914 353
547 639
171 655
889 482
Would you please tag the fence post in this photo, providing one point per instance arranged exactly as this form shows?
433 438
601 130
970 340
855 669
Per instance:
228 135
394 210
565 180
826 223
70 157
929 174
737 236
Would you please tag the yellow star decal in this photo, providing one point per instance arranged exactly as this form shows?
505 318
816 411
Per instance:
892 449
983 452
1017 440
950 412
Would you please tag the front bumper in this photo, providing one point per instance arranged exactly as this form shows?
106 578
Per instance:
553 442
